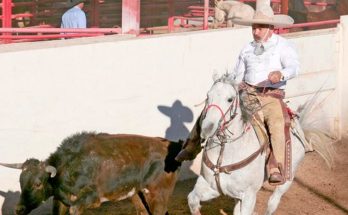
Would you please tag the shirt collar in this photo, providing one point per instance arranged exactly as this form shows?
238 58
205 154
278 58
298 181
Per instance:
268 44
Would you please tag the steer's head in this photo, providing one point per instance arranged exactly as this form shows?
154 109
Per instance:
34 184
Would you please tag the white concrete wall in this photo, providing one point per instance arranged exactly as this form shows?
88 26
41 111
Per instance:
50 90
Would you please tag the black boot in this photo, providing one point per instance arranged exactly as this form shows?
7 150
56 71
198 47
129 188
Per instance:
276 179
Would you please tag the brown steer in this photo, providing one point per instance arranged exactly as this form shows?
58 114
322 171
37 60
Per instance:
90 168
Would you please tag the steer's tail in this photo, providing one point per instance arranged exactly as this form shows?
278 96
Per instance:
321 141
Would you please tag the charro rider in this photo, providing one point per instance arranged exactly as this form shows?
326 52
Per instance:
263 68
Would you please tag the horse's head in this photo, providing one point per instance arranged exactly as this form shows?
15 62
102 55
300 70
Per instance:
221 104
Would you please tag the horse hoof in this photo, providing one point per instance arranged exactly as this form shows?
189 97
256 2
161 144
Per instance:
197 213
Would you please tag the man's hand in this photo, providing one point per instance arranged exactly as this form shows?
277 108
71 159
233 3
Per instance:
275 76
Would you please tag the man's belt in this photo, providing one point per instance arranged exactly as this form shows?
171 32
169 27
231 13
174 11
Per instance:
274 92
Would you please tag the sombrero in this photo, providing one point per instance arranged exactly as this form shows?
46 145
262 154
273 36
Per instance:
265 15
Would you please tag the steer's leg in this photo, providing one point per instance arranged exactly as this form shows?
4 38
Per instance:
75 210
59 208
139 206
159 192
201 192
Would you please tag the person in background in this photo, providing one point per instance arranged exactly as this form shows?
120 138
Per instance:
75 17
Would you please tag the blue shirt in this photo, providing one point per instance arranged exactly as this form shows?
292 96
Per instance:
74 18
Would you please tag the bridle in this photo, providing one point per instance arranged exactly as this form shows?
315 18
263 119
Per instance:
220 132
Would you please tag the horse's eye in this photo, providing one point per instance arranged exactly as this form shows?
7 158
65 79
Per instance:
230 99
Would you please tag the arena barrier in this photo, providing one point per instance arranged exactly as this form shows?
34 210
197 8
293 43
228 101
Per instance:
125 84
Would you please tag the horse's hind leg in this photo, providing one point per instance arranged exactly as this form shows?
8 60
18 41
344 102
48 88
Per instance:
201 192
275 197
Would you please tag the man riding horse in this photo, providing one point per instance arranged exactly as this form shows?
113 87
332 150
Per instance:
262 69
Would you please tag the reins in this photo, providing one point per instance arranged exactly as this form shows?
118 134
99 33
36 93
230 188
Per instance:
223 126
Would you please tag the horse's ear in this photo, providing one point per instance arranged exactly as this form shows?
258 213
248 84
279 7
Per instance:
230 79
216 76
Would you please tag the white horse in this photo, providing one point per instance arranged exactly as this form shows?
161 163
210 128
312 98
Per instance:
222 122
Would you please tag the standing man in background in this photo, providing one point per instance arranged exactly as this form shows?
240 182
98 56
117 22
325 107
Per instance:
75 17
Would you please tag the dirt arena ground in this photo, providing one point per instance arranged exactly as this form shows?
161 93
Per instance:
317 190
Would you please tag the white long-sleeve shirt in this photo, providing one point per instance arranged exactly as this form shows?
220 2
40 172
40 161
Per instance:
279 55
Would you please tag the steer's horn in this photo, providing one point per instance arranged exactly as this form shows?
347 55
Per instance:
52 170
12 165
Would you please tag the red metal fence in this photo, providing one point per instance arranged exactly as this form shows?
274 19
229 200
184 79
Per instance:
105 17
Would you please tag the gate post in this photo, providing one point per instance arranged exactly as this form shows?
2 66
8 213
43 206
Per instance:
7 17
342 79
95 14
206 14
284 4
6 13
131 16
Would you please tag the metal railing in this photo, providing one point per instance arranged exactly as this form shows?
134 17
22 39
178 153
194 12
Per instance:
35 34
44 32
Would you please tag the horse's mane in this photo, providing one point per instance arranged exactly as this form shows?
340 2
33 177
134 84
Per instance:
225 78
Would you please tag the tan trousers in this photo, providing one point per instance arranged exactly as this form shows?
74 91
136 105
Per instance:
271 110
276 120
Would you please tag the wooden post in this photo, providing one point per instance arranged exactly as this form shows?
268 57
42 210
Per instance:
342 78
284 7
171 8
131 16
94 14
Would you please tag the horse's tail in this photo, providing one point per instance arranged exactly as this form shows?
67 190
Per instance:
321 141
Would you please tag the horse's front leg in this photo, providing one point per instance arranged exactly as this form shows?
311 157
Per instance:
201 192
247 203
274 200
